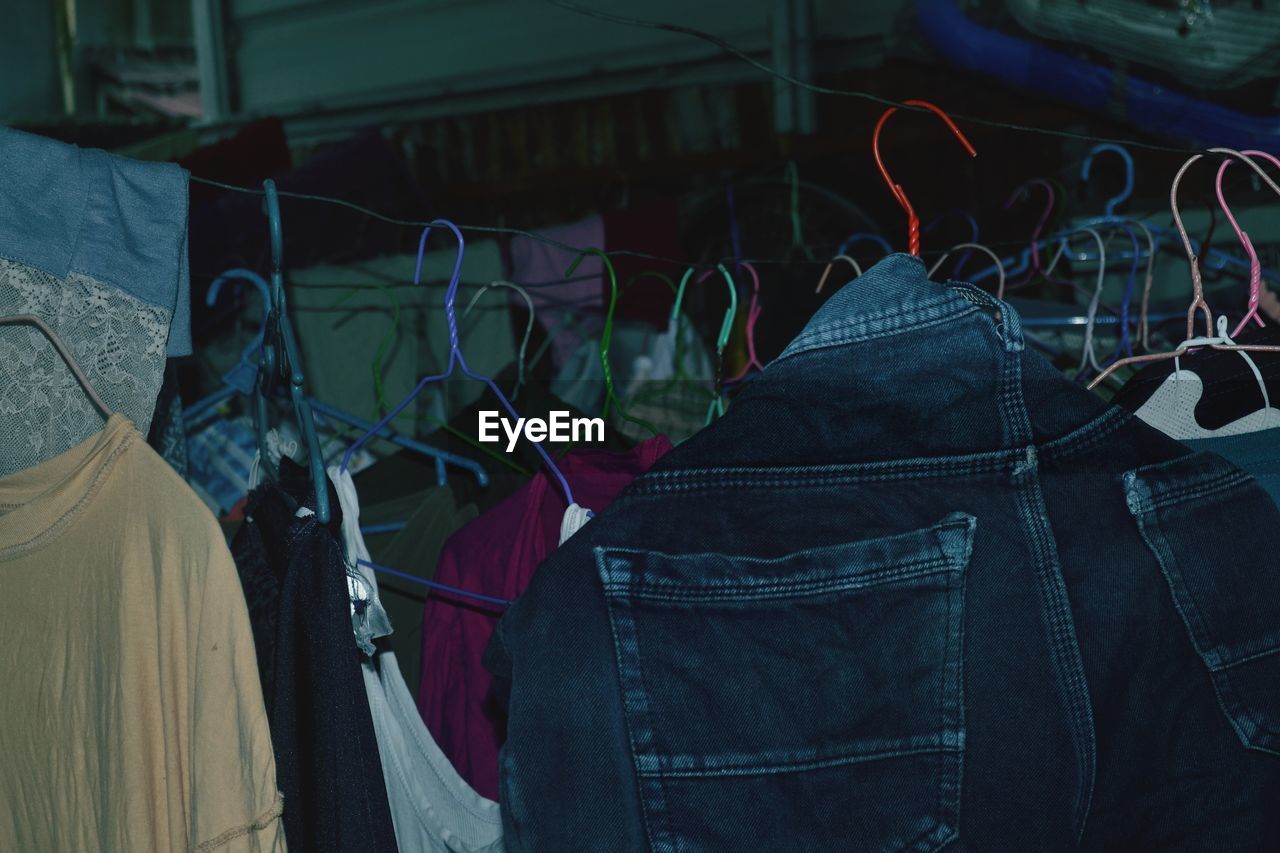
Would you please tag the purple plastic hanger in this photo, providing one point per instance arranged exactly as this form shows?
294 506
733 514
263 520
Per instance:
455 359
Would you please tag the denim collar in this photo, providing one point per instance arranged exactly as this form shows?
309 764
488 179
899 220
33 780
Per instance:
121 222
893 296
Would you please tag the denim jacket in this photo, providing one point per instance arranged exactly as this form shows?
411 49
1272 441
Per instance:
915 591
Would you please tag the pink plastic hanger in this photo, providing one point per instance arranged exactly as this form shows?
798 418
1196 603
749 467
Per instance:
1221 341
913 221
1024 192
753 314
1255 266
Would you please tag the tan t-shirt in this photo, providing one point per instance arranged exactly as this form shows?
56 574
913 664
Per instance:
131 715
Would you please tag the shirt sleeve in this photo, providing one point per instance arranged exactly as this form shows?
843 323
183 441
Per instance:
236 804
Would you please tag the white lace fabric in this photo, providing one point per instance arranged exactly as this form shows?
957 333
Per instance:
117 340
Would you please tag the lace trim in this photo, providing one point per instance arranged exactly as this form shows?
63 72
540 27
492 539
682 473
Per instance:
117 339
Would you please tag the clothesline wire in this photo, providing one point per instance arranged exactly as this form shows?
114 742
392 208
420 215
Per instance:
850 93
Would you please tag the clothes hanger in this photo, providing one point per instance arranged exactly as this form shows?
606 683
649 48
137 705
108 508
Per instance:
1088 354
606 337
242 376
1022 193
528 328
241 379
1255 266
1177 403
717 407
857 270
1112 219
1109 207
798 243
864 237
1222 260
913 221
1198 304
973 233
970 247
280 355
61 348
753 314
456 359
681 372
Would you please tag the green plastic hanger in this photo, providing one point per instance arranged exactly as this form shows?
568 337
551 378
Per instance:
610 394
717 407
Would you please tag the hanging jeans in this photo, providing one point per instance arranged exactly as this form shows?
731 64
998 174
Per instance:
914 591
295 583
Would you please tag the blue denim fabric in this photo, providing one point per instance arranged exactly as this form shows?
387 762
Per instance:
119 221
914 591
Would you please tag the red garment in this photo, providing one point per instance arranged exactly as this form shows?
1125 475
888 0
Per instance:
496 554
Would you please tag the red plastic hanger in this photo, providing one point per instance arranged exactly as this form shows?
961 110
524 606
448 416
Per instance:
913 221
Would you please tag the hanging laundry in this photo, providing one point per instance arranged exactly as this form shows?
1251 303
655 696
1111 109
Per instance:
542 265
495 555
429 521
295 583
912 559
96 246
133 713
433 808
357 316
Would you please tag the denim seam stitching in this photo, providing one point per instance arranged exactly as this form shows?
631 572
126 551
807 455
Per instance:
1190 610
961 720
1203 489
1062 642
677 591
628 698
797 766
1086 436
694 479
1250 657
1064 646
961 525
939 760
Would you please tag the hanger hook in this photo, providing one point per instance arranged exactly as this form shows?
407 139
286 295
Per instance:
451 292
1255 266
1197 284
606 337
1122 196
1022 192
826 272
913 221
274 227
864 236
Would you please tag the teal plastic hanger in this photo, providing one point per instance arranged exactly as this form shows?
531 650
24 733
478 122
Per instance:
717 407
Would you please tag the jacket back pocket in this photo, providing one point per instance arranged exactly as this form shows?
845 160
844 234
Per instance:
807 702
1207 523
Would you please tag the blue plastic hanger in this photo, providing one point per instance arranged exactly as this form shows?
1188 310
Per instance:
242 376
280 353
1214 259
456 359
240 379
